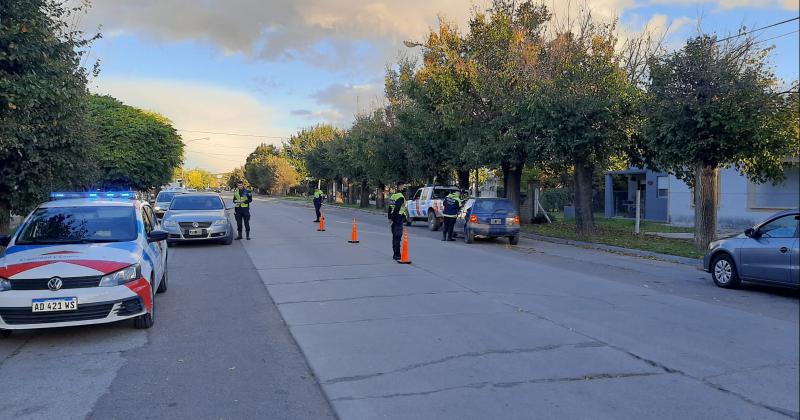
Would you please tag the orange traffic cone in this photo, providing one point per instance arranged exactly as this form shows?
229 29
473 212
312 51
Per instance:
321 223
354 234
404 250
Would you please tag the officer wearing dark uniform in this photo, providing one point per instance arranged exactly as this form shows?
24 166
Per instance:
242 197
398 213
318 197
452 205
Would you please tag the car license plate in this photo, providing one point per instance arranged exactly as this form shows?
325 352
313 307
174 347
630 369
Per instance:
194 232
54 305
497 221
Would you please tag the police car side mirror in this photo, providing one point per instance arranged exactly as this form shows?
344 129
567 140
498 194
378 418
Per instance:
157 235
4 240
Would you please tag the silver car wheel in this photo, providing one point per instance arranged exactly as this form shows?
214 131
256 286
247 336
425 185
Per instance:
723 271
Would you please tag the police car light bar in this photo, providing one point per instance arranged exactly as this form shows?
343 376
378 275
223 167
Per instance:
131 195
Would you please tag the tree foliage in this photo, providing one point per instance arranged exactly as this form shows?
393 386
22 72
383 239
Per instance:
270 171
199 179
132 147
42 86
717 104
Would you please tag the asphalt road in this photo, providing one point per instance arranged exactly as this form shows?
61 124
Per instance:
465 332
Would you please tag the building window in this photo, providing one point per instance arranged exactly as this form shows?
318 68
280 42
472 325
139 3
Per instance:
767 196
663 186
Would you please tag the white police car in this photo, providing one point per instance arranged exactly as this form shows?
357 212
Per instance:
83 258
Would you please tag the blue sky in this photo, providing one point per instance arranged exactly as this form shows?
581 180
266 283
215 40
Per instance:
269 68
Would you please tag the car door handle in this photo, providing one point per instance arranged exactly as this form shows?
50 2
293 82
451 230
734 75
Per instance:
783 250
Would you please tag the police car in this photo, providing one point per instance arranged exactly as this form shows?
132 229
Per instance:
83 258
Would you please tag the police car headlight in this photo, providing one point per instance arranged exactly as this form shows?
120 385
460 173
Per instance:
169 224
221 222
4 284
127 274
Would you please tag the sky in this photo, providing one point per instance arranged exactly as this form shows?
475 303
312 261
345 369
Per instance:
260 70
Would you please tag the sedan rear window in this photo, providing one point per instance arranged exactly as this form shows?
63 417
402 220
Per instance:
165 197
491 206
63 225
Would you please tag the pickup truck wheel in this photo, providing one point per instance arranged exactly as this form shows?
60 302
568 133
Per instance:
433 221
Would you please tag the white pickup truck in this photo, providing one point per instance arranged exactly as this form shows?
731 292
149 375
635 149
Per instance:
428 204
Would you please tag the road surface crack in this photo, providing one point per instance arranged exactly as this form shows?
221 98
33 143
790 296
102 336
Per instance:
481 385
444 292
414 366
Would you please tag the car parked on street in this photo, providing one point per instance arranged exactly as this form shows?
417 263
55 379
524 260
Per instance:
198 217
490 218
428 204
83 258
162 201
766 253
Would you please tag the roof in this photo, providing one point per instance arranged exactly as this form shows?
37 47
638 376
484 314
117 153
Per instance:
89 202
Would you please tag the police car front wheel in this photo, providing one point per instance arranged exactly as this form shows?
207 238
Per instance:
147 320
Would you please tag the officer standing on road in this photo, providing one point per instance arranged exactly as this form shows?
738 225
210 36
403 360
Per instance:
452 205
242 197
318 197
398 213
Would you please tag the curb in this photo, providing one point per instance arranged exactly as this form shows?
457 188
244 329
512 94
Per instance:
694 262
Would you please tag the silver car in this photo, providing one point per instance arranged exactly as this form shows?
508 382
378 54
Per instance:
198 217
161 203
766 253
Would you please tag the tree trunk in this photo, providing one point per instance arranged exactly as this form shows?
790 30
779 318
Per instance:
513 185
380 198
504 167
463 179
5 217
584 218
364 195
705 205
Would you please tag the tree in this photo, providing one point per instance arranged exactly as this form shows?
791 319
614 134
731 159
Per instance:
42 86
585 108
132 147
233 178
306 140
716 104
199 179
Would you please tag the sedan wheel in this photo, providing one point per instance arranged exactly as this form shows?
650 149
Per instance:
724 272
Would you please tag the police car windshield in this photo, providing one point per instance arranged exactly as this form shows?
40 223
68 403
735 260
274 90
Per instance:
63 225
165 197
196 202
441 193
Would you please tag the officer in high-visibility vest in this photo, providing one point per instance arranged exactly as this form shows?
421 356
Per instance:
318 197
398 212
452 205
242 197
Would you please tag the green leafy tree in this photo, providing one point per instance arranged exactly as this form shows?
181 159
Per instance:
132 147
717 104
306 140
233 178
585 108
199 179
42 86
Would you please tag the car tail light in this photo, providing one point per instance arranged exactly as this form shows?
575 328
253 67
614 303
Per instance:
473 219
516 220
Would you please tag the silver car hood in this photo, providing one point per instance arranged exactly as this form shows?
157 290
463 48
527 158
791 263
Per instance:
194 215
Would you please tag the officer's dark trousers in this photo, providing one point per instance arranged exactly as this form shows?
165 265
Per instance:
449 223
317 206
397 236
242 215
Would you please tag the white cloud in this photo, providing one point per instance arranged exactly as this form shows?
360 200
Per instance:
203 107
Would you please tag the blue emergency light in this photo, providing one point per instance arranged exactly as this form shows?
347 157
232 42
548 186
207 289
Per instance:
131 195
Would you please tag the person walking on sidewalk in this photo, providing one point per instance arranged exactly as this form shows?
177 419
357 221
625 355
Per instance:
318 197
452 205
398 213
242 197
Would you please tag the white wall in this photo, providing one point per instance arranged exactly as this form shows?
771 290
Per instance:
741 203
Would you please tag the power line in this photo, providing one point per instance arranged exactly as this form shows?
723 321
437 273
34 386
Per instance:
759 29
233 134
780 36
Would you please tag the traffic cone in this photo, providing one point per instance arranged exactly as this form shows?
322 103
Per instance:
321 223
354 234
404 250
